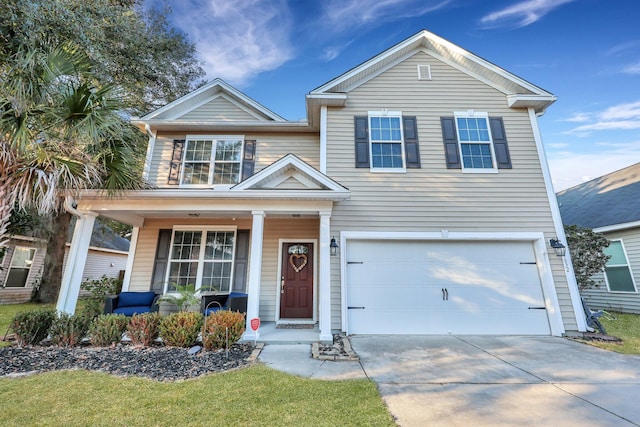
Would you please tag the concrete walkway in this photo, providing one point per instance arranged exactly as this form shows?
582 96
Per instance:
477 380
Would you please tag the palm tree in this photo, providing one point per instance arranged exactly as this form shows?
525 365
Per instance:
60 131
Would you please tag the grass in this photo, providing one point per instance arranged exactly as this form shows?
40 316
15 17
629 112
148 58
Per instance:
627 328
253 396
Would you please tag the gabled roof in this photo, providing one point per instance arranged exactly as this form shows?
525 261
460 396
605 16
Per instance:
216 88
613 201
290 173
520 93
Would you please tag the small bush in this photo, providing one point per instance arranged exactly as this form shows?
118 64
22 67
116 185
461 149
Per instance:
68 330
31 327
144 328
107 329
222 328
181 329
99 288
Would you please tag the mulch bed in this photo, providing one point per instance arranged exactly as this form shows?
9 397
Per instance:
156 363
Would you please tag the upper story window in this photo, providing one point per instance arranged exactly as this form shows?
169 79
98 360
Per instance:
212 160
617 272
386 140
474 137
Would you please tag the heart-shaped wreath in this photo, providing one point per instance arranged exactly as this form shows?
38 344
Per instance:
294 264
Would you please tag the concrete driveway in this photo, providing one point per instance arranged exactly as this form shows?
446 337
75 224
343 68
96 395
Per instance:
478 380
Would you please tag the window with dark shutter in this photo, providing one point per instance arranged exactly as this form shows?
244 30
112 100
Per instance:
161 261
451 150
503 159
379 137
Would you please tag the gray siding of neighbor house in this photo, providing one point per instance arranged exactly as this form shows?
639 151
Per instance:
433 197
626 302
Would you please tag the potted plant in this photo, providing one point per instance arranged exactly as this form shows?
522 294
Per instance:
183 298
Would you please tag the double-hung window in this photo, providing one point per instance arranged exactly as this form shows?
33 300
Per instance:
617 272
212 160
386 141
476 146
202 258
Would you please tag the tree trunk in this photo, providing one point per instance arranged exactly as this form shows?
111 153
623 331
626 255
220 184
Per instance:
52 270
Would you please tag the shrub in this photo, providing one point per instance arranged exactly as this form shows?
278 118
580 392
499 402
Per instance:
31 327
68 330
99 288
107 329
181 329
222 328
144 328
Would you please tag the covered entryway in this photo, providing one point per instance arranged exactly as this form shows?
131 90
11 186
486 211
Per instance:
444 287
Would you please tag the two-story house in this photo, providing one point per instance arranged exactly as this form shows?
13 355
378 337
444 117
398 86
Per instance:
414 199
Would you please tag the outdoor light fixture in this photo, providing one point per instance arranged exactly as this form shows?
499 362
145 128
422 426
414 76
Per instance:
557 246
334 246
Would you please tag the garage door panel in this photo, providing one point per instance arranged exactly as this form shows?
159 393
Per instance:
422 287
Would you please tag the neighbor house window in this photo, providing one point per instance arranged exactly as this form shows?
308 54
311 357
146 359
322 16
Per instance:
617 272
212 160
386 141
474 137
202 258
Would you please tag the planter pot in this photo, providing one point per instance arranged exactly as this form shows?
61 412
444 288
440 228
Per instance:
165 308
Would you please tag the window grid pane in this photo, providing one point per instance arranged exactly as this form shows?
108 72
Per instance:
476 156
385 129
619 279
473 129
225 162
386 155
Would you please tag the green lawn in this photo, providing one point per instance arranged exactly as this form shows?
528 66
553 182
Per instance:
627 328
253 396
7 311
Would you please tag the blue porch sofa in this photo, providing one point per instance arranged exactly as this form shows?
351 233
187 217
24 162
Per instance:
235 301
130 303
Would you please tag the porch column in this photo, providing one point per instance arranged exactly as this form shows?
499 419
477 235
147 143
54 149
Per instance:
255 273
72 277
130 258
324 279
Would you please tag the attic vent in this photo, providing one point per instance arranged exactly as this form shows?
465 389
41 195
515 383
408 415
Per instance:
424 72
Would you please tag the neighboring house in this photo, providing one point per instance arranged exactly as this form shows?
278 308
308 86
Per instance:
21 266
414 199
611 205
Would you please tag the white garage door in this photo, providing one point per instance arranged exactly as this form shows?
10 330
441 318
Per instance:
416 287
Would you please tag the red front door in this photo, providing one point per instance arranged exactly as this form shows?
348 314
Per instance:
296 283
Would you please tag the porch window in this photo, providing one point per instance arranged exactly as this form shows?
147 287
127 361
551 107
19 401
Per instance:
212 160
202 258
617 272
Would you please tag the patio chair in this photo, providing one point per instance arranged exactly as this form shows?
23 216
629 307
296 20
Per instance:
130 303
235 301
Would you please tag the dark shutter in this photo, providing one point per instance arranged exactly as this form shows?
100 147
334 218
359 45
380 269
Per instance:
241 261
411 149
161 261
500 143
248 160
176 161
450 139
361 124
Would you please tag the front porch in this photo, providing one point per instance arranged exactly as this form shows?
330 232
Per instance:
269 333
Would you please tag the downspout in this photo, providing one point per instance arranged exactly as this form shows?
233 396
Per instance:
68 206
150 147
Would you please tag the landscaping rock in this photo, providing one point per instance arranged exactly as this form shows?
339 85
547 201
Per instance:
157 363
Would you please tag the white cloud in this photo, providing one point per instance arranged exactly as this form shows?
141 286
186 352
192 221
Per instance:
521 14
632 69
618 117
578 118
237 39
342 15
571 168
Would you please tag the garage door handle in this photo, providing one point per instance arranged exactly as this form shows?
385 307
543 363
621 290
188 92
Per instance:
355 308
537 308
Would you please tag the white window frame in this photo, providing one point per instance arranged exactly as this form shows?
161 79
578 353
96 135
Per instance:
475 115
385 113
201 260
27 265
626 257
212 160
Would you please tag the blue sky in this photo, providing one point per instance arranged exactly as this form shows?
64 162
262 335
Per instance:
586 52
